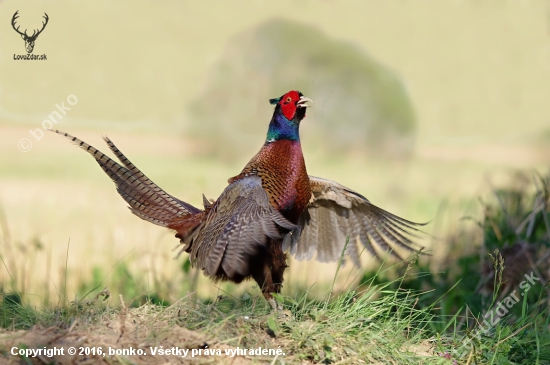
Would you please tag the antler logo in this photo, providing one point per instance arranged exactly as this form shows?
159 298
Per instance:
29 40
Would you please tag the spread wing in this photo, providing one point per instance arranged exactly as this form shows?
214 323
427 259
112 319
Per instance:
237 226
336 213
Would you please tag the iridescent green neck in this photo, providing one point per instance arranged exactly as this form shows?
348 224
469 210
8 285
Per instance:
281 128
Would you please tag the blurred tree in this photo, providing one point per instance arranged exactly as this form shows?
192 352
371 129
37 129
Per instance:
359 104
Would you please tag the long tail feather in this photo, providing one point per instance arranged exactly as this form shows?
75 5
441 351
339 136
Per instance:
146 199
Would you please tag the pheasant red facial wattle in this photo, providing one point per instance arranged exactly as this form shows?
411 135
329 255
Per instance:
271 208
290 103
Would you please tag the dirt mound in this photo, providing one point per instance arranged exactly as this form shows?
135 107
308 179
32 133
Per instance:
131 336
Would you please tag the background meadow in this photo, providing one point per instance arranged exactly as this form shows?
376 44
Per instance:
476 77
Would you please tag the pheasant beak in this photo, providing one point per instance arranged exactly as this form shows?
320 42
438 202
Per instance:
304 102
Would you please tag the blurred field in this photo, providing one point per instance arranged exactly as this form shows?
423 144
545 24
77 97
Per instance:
478 76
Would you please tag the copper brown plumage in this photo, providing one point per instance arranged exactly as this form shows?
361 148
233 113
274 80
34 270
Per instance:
271 207
283 179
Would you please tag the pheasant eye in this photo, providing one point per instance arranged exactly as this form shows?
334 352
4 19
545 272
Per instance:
288 99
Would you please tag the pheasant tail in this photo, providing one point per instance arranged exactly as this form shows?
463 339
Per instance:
145 198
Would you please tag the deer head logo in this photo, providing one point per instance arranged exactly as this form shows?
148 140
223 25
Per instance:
29 40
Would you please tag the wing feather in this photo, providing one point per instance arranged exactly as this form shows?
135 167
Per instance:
237 225
336 214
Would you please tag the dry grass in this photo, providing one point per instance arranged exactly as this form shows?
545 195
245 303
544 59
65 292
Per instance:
136 328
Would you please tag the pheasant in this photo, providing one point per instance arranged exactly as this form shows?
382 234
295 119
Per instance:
272 207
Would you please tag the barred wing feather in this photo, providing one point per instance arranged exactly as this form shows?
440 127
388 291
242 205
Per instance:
238 224
336 213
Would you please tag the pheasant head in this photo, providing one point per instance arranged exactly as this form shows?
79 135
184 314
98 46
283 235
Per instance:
290 109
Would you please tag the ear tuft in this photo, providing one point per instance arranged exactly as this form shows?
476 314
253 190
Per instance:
274 101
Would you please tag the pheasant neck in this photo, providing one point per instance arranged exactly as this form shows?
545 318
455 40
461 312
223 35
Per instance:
281 128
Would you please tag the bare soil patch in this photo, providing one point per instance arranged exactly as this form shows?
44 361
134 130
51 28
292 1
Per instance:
135 328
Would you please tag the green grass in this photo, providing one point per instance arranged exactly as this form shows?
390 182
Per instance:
375 324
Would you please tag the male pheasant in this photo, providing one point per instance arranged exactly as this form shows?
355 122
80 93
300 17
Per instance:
271 207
